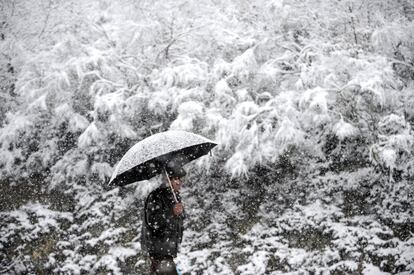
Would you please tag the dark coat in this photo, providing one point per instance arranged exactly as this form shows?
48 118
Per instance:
162 231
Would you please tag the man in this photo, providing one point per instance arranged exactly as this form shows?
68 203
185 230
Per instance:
162 225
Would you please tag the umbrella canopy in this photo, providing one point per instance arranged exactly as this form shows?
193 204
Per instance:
148 157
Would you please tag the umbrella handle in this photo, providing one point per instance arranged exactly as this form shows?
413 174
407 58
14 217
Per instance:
172 189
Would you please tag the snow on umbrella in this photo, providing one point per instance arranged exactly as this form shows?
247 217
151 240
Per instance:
148 157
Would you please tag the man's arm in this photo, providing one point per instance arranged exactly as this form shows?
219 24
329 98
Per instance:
155 214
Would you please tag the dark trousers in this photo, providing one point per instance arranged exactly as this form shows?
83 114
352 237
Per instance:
162 265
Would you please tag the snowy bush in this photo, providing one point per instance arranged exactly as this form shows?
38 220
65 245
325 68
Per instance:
311 105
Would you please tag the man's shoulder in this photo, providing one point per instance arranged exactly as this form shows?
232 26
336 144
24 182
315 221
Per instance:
159 192
158 196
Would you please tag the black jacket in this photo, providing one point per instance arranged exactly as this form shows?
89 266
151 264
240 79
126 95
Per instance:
162 232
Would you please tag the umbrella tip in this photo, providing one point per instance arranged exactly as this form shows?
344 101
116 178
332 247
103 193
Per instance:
109 185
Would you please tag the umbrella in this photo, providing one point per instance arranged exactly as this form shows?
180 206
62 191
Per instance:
148 157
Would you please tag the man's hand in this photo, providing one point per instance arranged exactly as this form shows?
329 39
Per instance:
178 209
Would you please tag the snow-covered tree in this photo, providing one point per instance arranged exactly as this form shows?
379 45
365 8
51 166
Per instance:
311 104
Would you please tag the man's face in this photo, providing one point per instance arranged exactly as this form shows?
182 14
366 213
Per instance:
176 183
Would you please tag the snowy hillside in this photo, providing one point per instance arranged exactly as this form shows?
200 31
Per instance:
311 104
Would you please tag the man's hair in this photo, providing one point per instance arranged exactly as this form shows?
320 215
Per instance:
174 170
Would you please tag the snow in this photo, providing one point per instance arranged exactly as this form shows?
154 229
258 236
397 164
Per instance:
370 269
107 237
159 102
244 65
78 123
221 68
237 165
288 134
122 253
222 91
313 116
257 264
188 115
344 130
22 225
389 156
90 136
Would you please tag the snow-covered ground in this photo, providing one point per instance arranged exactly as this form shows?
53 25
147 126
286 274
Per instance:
311 104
